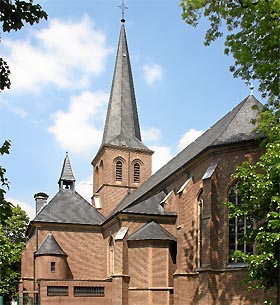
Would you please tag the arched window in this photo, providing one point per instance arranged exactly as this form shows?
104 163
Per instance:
119 167
200 227
96 176
136 172
101 171
238 228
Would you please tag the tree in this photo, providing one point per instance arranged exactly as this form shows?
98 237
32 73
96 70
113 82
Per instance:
12 241
259 190
13 15
253 33
5 207
13 220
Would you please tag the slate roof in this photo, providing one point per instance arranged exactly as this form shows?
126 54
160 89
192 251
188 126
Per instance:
50 247
151 231
236 126
69 207
122 123
150 206
66 172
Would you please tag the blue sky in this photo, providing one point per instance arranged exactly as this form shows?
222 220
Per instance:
61 77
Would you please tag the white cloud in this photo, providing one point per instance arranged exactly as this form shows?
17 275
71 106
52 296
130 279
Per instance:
151 134
12 108
152 73
29 209
61 54
162 154
188 138
85 188
74 129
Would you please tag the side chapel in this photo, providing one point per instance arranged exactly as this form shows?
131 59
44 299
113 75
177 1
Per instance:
162 239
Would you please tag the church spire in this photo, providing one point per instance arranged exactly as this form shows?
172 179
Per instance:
122 123
67 179
123 162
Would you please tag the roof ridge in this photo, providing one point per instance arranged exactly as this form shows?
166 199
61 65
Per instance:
213 136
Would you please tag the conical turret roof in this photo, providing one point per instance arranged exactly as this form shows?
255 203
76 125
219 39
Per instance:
50 247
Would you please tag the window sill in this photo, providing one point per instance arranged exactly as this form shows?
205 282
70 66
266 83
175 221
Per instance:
236 265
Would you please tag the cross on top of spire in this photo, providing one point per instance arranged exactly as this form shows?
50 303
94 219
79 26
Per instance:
123 8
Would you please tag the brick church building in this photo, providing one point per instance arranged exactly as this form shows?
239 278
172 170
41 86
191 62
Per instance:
161 239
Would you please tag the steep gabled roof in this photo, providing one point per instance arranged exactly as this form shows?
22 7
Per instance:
50 247
122 124
150 206
236 126
151 231
69 207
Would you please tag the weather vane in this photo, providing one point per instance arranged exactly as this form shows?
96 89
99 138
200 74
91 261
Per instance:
123 8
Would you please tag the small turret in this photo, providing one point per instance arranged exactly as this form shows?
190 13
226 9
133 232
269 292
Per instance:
67 179
51 260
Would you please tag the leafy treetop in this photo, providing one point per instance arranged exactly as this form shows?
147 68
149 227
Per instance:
253 34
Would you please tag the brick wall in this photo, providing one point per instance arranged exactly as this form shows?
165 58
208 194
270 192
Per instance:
71 299
105 185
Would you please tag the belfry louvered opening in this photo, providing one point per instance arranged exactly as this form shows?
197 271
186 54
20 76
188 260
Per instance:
119 170
136 172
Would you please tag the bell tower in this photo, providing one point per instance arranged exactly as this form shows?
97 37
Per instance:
123 162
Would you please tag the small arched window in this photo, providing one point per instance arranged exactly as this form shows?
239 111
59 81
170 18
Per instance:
119 168
238 228
136 172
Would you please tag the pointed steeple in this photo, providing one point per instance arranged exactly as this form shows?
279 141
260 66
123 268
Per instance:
122 162
67 179
122 124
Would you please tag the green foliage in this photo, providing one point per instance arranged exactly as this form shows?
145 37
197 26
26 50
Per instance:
12 241
5 207
13 225
253 33
14 13
259 188
13 16
5 72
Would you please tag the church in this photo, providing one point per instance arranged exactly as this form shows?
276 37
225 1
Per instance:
161 239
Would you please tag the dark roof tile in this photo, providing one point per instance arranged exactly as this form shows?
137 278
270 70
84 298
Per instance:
235 126
69 207
50 247
151 231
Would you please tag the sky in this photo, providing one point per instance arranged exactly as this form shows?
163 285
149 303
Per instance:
61 73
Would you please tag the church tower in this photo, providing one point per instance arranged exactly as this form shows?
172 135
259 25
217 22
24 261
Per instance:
123 162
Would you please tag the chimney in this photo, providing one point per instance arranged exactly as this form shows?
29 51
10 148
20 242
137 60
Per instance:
41 200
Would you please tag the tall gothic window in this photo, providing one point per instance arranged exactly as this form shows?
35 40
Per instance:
119 167
238 228
136 172
200 228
